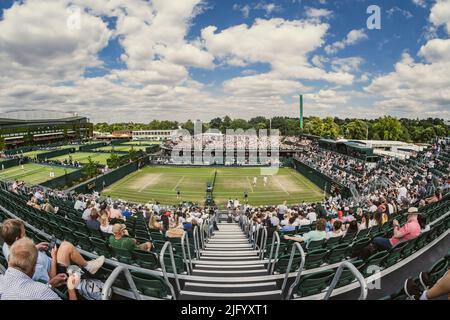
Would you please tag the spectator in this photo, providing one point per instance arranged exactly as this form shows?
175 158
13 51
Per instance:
121 240
93 222
14 229
337 230
16 283
409 231
80 205
105 227
428 290
315 235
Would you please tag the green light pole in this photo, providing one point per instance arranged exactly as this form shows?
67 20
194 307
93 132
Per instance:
301 111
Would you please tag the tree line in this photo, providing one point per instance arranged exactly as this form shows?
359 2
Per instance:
384 128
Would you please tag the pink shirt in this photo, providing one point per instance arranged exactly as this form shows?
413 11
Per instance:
409 231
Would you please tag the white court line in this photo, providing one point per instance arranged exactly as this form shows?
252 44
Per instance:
248 180
281 186
149 182
178 183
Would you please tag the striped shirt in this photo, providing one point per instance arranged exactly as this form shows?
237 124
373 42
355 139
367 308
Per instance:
16 285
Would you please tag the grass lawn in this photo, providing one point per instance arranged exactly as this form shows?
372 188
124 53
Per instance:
82 157
141 143
160 183
33 173
121 148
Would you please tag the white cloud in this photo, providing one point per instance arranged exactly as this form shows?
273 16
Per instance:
407 14
440 14
420 3
35 42
318 13
244 9
268 7
352 38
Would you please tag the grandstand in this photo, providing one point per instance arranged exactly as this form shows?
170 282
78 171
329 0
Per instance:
233 249
26 127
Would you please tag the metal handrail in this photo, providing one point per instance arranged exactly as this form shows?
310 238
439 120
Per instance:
164 270
113 276
187 259
255 238
357 274
263 242
196 244
271 265
295 246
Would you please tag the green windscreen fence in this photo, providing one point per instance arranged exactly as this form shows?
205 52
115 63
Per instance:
55 153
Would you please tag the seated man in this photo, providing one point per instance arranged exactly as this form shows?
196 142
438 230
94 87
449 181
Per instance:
46 267
315 235
121 240
16 283
409 231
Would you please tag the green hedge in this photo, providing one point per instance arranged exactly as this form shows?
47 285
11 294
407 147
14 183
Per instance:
54 153
91 146
9 163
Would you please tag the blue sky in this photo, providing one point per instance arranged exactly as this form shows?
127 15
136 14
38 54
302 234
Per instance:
138 60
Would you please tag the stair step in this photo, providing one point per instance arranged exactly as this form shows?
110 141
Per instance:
221 267
226 245
227 258
264 295
232 262
229 253
229 287
228 273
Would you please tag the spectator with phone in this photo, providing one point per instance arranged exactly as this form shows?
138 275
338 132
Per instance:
17 282
46 268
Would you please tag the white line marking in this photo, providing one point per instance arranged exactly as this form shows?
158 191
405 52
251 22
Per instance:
178 183
281 186
248 180
149 182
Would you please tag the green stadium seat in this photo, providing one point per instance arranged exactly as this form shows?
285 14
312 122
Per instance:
348 238
331 242
376 259
145 259
358 245
314 245
101 247
314 283
315 259
83 241
148 285
347 276
338 253
179 263
123 255
395 255
438 270
69 235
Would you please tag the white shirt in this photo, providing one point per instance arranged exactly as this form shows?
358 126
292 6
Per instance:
79 205
311 216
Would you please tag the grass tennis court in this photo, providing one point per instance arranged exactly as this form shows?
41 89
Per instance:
33 173
125 148
141 142
160 184
82 157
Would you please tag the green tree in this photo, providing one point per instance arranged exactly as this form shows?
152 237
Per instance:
132 154
388 128
2 144
356 129
330 128
90 169
314 126
114 161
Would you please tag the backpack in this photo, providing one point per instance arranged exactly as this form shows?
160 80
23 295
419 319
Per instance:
91 289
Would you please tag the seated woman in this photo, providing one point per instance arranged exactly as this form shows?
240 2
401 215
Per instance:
337 230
